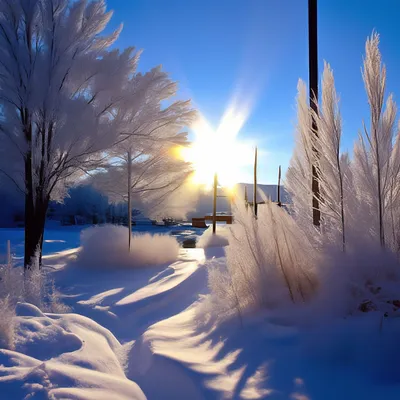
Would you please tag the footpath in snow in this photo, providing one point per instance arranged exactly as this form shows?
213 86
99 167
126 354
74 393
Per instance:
144 333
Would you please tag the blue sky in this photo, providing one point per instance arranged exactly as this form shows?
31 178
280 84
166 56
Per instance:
257 50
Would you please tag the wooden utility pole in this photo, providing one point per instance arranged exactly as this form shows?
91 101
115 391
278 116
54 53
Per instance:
279 187
215 203
255 205
313 78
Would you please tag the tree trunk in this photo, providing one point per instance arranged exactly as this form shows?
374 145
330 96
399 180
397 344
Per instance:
29 252
129 199
34 233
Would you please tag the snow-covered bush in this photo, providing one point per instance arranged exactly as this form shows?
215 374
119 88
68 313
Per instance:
11 281
33 283
31 286
350 263
106 247
54 302
269 262
7 313
358 238
208 239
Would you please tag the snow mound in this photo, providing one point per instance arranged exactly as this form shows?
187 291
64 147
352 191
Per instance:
27 310
106 247
63 356
208 239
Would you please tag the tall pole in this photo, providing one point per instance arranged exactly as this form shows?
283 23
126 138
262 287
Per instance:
215 203
9 259
279 187
129 199
313 78
255 205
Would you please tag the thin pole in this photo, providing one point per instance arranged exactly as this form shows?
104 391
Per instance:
9 259
255 205
215 203
313 77
279 187
129 199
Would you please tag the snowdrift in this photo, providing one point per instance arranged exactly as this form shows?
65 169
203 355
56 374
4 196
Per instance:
220 239
176 348
63 356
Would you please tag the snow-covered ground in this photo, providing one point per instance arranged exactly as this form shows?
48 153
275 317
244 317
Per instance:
59 238
144 333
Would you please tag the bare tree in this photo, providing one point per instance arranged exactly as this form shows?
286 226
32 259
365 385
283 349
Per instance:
144 164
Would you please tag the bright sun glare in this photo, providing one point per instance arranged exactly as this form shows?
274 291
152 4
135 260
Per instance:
219 151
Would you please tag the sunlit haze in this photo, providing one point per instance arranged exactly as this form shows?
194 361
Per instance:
219 151
216 46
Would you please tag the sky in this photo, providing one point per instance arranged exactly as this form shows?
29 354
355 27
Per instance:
251 53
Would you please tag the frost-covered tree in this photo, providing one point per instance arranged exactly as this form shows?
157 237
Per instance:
60 87
144 165
87 202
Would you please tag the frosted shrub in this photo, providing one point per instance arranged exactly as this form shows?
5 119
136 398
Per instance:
54 303
350 263
106 247
34 284
11 282
12 290
269 262
358 238
33 287
7 314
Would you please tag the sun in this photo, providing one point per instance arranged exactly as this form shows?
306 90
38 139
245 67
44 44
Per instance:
219 151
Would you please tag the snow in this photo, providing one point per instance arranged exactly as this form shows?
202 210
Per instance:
149 333
219 239
63 356
59 239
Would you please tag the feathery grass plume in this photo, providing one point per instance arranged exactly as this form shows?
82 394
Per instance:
330 163
298 181
270 262
373 169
